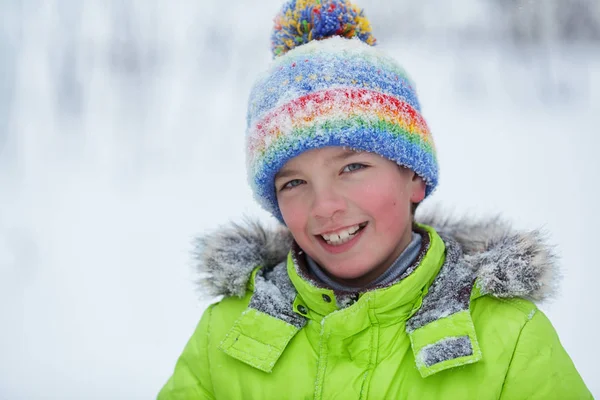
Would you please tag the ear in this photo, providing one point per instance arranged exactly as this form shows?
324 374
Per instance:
417 186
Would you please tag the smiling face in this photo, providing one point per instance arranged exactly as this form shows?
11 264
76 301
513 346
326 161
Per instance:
349 211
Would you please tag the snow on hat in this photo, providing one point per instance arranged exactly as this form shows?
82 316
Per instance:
328 86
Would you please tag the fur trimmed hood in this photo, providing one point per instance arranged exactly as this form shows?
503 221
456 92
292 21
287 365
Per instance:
506 262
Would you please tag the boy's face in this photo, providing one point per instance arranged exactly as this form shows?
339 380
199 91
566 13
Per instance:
349 211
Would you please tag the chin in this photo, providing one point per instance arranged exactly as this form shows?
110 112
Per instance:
347 273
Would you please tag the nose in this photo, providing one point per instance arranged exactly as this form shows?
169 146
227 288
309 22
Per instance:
327 202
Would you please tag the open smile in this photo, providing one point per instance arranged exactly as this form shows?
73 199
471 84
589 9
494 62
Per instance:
342 240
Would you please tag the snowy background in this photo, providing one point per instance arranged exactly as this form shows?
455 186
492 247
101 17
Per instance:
121 137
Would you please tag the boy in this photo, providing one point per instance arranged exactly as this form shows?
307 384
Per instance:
353 299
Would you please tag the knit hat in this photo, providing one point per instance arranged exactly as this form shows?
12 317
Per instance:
328 86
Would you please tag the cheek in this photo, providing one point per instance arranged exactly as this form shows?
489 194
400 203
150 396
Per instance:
295 216
386 205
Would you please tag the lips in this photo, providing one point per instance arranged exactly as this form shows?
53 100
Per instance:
340 247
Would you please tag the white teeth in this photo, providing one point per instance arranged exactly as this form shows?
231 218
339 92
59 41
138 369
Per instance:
342 236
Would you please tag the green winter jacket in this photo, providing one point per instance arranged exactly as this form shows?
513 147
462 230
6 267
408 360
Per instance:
456 326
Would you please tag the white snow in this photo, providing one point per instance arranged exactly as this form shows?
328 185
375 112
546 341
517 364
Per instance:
121 137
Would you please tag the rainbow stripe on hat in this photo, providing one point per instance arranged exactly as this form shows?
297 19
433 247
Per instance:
334 92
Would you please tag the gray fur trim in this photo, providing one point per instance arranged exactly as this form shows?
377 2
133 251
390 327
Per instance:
508 263
274 295
446 349
227 257
450 291
517 266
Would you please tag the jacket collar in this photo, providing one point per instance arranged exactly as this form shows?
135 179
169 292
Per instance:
401 295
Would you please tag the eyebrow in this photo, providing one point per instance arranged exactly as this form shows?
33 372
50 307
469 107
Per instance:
285 173
347 153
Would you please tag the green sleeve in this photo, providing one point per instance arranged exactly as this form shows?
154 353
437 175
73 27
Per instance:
191 378
540 367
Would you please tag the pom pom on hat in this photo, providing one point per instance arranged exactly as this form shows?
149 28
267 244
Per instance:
301 21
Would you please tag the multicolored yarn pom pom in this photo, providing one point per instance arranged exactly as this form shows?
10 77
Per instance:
301 21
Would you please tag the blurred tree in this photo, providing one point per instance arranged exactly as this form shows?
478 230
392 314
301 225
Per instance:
579 20
524 22
536 22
